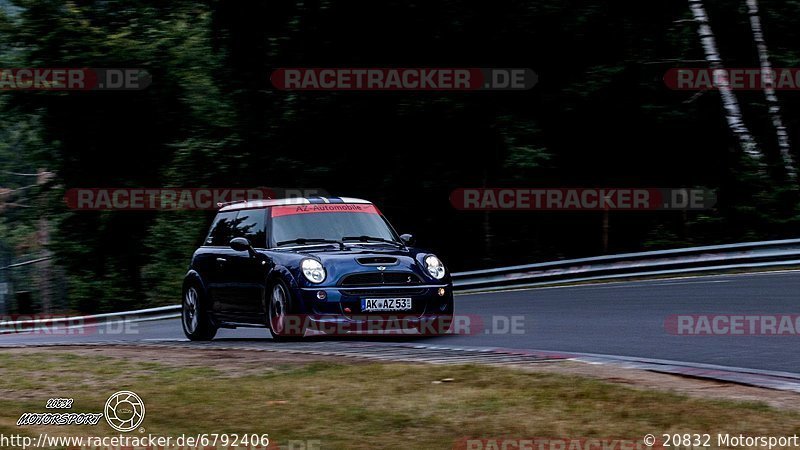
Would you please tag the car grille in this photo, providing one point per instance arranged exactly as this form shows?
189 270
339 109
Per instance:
381 279
377 261
382 292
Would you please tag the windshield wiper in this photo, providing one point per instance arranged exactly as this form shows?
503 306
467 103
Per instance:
371 239
304 241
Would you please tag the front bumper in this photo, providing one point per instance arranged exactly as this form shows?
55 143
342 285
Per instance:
346 301
339 313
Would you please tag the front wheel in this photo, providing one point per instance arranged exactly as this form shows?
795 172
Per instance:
279 309
197 326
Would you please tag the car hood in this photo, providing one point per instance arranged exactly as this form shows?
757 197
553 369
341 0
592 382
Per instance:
369 259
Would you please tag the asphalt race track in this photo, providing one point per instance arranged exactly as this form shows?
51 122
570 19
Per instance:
624 319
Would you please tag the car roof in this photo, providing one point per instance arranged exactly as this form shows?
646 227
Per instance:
234 206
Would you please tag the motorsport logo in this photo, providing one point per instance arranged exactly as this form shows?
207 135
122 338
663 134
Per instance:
124 412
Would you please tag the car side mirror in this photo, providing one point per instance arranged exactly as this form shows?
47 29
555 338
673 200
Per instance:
241 244
408 239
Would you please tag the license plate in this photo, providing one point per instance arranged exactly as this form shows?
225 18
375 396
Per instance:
385 304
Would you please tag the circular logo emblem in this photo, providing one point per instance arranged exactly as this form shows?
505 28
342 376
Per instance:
124 411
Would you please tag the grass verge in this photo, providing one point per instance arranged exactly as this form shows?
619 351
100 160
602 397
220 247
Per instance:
364 405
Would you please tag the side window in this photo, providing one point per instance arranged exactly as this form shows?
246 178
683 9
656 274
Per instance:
250 224
221 230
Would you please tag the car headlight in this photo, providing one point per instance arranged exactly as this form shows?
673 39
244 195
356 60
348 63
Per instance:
313 270
435 267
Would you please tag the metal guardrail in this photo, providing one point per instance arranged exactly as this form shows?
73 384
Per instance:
713 258
67 322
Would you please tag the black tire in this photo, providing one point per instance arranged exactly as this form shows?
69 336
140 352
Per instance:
279 306
197 325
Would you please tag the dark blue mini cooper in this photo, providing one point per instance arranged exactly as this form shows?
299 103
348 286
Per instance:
313 266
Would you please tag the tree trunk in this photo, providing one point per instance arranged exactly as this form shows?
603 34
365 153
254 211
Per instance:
730 103
768 81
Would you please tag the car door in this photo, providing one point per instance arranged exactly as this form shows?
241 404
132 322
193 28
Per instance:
248 272
216 258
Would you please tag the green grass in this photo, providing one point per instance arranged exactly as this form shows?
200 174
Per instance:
367 405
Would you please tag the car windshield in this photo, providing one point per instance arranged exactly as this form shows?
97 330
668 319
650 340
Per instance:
305 224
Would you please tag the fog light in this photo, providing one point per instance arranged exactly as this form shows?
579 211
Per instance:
322 295
441 292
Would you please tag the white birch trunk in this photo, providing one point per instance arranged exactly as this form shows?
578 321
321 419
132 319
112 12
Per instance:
768 81
730 104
